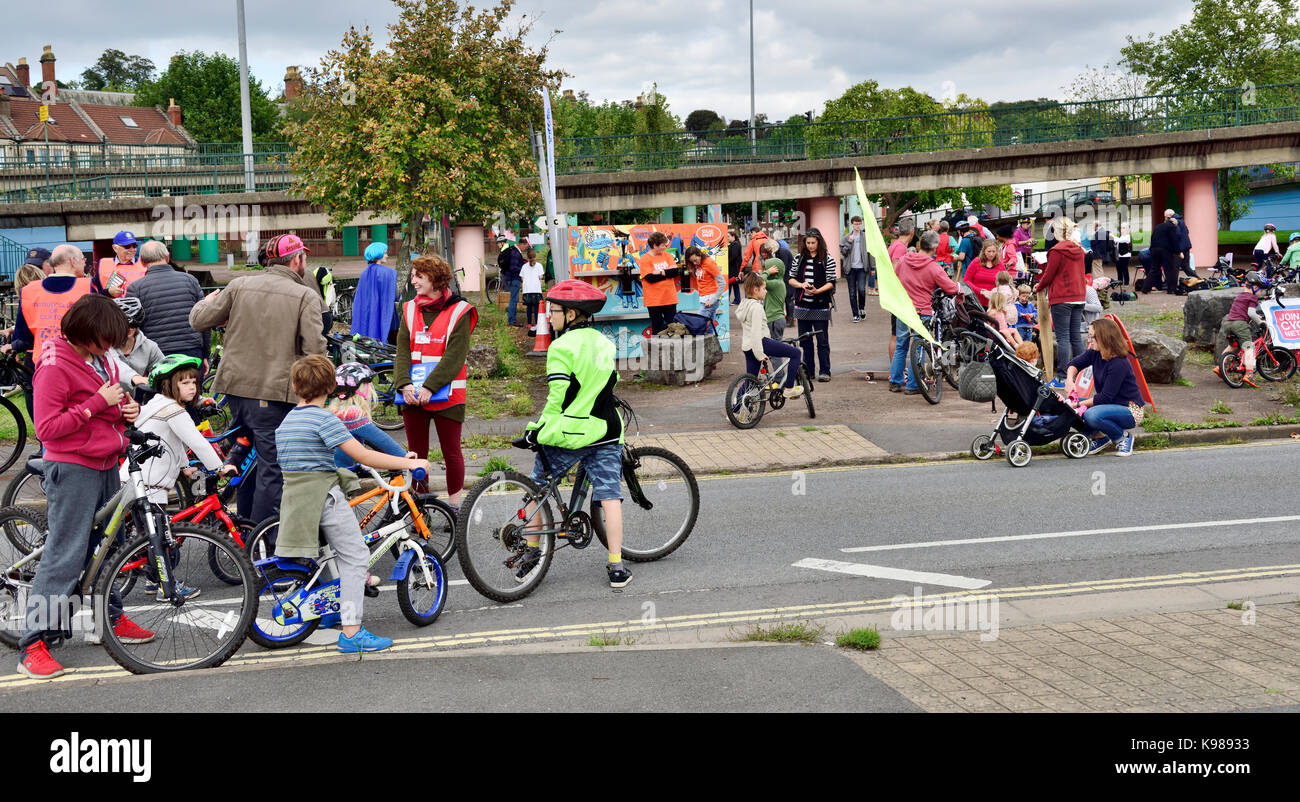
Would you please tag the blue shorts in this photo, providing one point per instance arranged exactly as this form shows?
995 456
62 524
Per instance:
603 463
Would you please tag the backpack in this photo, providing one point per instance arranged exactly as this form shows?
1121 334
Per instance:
325 285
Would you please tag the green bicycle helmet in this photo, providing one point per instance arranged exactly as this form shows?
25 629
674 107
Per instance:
169 365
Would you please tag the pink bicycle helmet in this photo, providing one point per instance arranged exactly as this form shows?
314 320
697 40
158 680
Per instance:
348 377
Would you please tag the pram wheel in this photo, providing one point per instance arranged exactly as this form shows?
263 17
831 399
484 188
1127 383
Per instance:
1019 453
981 448
1075 445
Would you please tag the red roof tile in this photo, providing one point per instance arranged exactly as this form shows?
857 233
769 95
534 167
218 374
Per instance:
67 125
148 122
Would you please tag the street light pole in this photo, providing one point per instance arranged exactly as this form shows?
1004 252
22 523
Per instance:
752 149
245 111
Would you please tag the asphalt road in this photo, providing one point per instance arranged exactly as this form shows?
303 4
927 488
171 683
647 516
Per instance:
788 539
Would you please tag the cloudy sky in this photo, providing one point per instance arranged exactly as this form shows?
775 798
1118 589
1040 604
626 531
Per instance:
697 51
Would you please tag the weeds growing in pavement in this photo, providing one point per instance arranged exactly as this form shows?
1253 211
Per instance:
863 639
1275 419
603 638
1220 408
1199 356
495 464
1156 423
1181 382
1234 605
785 632
809 428
485 442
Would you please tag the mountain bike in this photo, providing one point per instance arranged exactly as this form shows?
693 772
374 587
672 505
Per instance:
661 501
294 601
933 363
187 633
747 395
13 423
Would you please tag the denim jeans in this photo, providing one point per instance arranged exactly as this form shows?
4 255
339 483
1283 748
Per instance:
73 493
819 345
776 328
1111 420
903 335
858 292
776 350
1066 322
261 419
514 286
371 436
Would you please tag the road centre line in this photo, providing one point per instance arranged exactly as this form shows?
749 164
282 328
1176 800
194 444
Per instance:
305 654
900 574
1119 530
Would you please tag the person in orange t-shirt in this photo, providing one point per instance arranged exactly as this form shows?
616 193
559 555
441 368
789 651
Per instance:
707 274
658 285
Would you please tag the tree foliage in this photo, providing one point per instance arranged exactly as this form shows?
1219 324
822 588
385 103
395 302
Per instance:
117 72
206 87
703 120
436 122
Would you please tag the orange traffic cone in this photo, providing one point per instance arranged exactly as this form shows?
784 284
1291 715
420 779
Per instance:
543 340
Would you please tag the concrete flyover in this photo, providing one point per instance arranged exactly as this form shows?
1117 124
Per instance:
1210 149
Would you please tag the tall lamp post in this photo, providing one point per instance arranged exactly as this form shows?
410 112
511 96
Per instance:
752 140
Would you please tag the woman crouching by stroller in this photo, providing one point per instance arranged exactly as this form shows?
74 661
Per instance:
1116 406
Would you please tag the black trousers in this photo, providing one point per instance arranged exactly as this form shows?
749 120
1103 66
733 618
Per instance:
661 316
1121 269
261 418
1166 261
819 345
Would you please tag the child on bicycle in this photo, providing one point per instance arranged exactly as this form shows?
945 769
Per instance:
81 416
350 402
312 500
754 344
1237 323
580 422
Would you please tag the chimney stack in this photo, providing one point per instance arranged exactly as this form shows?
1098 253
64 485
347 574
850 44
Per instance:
568 95
24 73
47 69
174 112
292 84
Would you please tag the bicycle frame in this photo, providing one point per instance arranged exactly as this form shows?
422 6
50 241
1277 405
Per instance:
386 498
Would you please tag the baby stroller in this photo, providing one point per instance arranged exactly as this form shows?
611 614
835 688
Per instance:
1034 414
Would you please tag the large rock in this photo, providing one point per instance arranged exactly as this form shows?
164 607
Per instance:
483 361
1202 313
1161 357
677 361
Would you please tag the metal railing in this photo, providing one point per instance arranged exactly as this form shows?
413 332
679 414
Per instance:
12 256
952 130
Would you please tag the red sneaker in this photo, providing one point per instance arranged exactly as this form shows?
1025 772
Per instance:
128 631
38 664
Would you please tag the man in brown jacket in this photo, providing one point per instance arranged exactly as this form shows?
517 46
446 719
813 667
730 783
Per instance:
271 319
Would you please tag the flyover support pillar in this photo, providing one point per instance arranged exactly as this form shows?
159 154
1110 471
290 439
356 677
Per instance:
824 215
467 248
1201 213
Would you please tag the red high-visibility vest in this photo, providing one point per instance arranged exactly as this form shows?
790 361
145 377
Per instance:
108 265
429 344
43 310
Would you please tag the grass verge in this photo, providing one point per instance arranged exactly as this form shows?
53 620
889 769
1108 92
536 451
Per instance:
864 639
603 638
1157 423
506 391
785 632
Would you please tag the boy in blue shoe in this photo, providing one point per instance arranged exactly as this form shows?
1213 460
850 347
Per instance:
313 501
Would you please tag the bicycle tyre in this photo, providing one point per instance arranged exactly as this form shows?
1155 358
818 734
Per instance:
10 454
805 381
385 411
639 547
12 618
255 545
197 620
441 520
21 542
26 489
480 547
426 605
222 570
951 372
258 631
920 361
1230 369
1275 364
744 401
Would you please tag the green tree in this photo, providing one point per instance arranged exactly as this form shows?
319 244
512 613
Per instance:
1123 112
872 119
206 87
702 120
116 71
1228 44
436 122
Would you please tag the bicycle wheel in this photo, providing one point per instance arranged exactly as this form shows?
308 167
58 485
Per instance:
26 489
422 599
1230 368
221 568
32 526
1275 364
490 539
441 520
274 586
23 538
660 511
805 381
260 543
13 434
951 363
384 409
744 401
186 634
920 361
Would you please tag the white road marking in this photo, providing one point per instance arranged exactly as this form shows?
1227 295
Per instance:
207 619
1119 530
901 574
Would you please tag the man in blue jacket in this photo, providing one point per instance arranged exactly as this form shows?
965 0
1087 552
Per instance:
510 263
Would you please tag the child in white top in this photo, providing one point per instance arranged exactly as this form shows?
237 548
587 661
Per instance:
532 274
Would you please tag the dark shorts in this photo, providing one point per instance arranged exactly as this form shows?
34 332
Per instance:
603 463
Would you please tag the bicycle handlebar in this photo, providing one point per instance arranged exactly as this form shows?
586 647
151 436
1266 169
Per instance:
418 475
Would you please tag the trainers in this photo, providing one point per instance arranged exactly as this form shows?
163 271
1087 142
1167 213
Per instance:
38 664
527 562
895 388
1099 445
1056 384
363 641
794 392
825 377
1125 446
127 631
185 591
911 391
619 576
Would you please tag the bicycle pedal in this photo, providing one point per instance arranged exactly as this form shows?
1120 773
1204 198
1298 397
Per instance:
371 591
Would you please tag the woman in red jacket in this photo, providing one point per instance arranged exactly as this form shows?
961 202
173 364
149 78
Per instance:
982 274
1063 281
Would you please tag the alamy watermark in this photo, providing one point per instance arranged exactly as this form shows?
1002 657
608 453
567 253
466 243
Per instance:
77 755
57 613
919 613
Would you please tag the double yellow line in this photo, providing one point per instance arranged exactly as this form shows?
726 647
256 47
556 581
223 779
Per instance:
667 623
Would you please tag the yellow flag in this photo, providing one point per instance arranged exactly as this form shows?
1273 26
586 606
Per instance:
893 297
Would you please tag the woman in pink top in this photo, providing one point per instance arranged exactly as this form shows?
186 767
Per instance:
982 275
